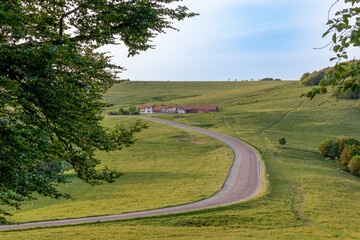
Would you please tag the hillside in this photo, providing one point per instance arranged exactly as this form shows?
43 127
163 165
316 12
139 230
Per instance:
305 197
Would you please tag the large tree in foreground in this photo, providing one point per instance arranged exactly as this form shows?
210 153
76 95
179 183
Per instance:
52 78
344 30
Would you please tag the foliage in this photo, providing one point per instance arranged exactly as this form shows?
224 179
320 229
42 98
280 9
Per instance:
282 141
354 165
342 151
343 142
348 94
123 112
347 154
313 79
344 29
270 79
329 148
52 78
305 75
132 110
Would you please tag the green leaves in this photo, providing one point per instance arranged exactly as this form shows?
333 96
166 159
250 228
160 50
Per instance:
345 30
52 78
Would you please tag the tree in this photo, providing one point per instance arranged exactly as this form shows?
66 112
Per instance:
123 112
344 142
52 78
282 141
347 154
305 75
354 165
132 110
329 148
345 31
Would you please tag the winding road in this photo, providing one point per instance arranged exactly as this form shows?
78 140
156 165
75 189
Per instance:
242 183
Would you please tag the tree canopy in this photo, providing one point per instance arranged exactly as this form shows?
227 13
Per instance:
344 29
52 78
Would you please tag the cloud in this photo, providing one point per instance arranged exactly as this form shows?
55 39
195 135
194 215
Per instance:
240 39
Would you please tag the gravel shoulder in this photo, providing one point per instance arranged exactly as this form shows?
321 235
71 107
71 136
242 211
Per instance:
242 183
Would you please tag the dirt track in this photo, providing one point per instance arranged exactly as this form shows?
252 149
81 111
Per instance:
243 182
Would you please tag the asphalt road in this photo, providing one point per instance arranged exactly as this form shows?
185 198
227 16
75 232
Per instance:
242 183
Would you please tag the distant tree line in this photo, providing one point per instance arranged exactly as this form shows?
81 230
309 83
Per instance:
345 151
131 110
270 79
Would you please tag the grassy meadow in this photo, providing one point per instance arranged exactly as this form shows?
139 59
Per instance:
305 197
165 167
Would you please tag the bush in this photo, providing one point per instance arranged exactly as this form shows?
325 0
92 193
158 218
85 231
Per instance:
348 94
347 154
113 113
313 79
329 148
267 79
305 75
343 142
354 165
122 111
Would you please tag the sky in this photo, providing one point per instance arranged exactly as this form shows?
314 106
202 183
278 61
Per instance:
236 39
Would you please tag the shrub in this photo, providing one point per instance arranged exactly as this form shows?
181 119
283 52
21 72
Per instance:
282 141
343 142
113 113
329 148
347 154
348 94
305 75
313 79
354 165
133 110
267 79
123 112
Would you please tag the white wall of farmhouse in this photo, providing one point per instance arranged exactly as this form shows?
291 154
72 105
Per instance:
146 111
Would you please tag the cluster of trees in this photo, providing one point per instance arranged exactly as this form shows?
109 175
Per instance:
345 151
132 110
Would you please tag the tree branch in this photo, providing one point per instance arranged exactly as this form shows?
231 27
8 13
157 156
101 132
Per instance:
61 22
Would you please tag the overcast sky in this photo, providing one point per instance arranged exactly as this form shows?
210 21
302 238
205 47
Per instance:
236 39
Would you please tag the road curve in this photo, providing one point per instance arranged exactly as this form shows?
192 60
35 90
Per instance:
242 183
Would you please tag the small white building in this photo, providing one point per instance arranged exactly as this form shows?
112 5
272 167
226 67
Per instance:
146 109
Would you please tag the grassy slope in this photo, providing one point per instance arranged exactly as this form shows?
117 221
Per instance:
166 167
306 197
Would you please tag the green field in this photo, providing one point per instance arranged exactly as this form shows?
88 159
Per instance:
166 166
305 197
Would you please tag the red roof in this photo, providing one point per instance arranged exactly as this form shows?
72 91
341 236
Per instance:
158 108
188 108
146 106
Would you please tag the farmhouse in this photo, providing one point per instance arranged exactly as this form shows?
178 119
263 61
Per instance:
152 109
